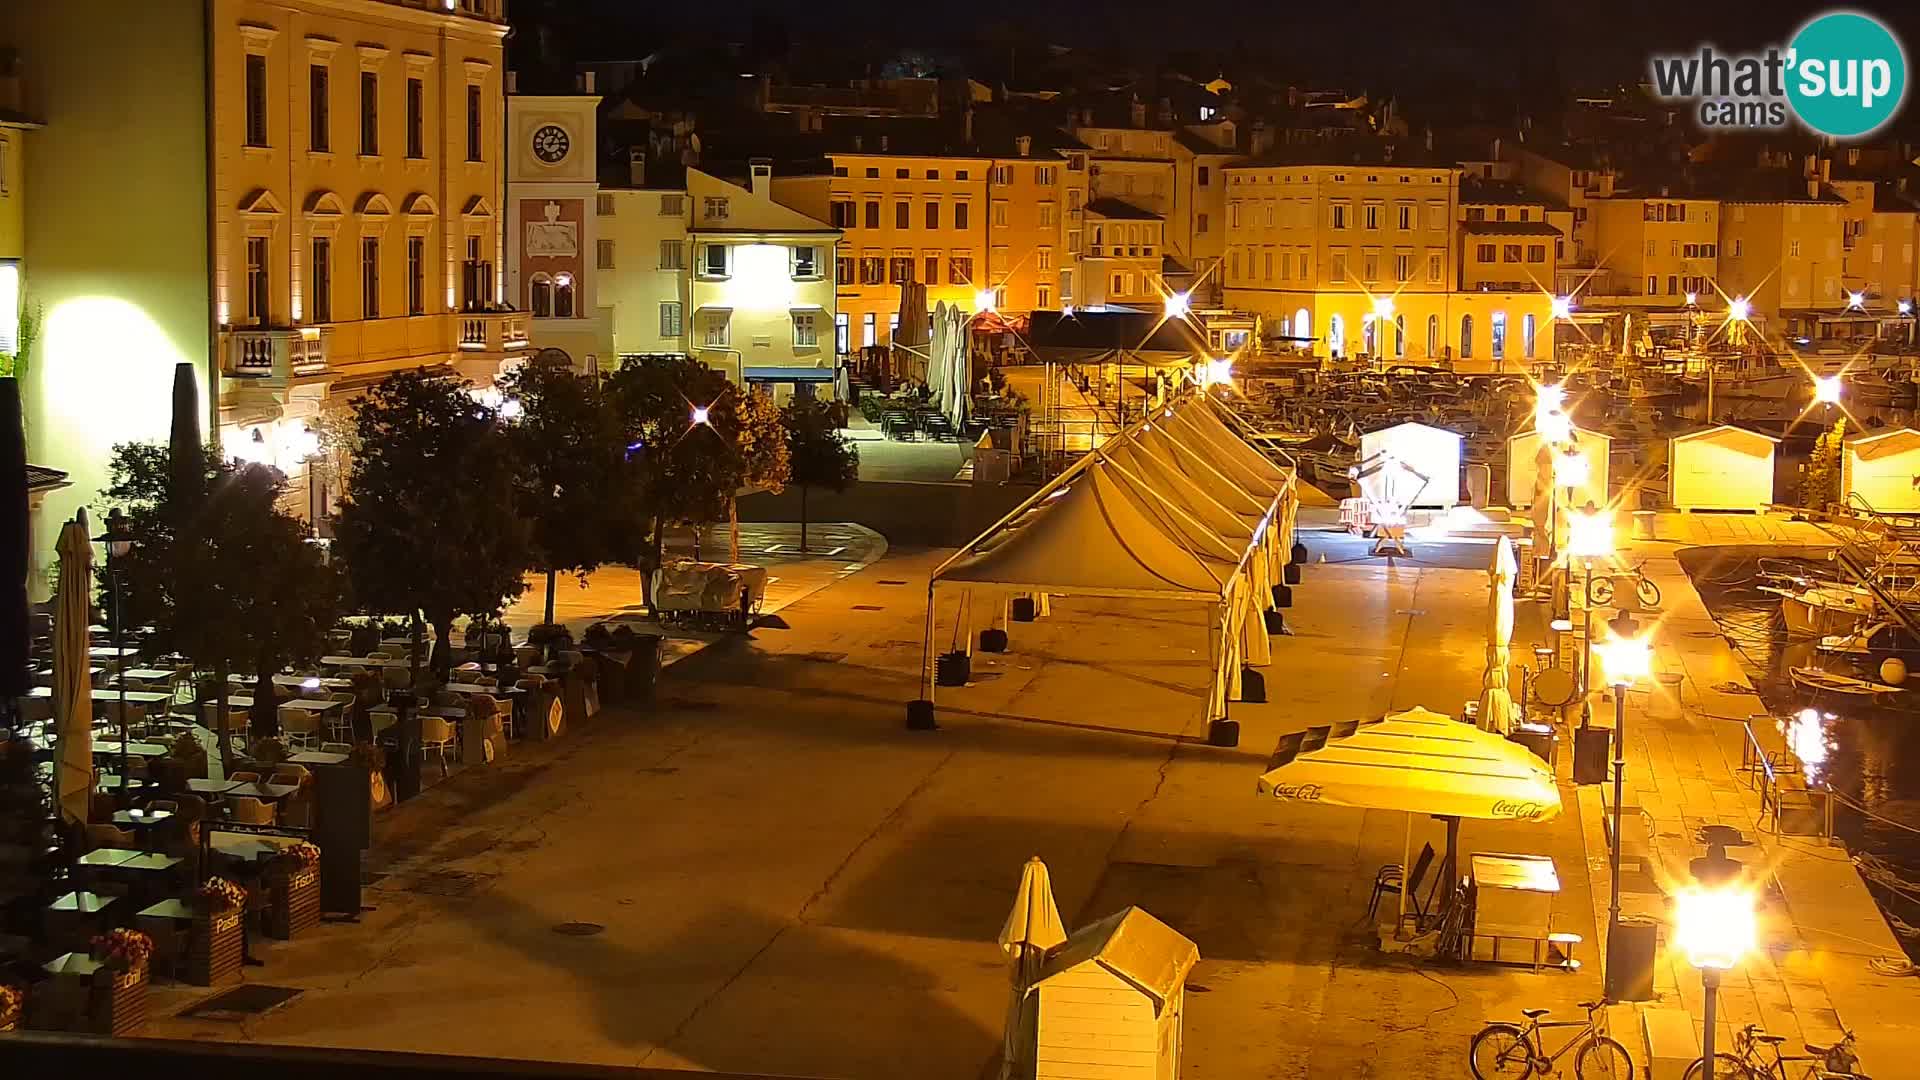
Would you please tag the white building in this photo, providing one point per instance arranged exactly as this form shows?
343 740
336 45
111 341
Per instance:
643 233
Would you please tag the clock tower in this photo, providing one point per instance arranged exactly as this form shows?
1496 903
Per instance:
553 237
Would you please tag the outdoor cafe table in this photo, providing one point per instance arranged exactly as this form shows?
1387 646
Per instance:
319 705
108 652
201 786
111 747
332 682
361 661
1514 897
107 856
261 790
476 688
316 757
105 693
149 674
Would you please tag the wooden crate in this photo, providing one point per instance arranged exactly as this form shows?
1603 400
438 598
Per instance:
119 1002
214 949
293 902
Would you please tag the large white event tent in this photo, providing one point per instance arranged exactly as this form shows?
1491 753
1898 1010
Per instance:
1176 507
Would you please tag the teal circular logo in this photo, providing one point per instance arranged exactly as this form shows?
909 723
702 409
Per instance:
1847 74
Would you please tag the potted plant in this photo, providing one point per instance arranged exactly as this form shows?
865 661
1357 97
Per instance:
293 891
119 1002
187 754
216 946
268 751
13 1002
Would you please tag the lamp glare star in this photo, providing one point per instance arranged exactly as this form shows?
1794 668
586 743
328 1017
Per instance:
1177 305
1563 306
1739 309
699 415
1826 390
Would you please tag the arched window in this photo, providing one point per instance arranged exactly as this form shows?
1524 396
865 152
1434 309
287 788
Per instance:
1499 335
1400 336
1302 324
1526 335
1433 335
540 296
1336 335
563 296
1466 337
1369 335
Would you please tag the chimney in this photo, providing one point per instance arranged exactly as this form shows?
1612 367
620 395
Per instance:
1806 167
584 82
859 142
884 140
966 125
1023 145
760 177
1086 116
1813 188
513 82
1166 112
1137 114
1826 169
10 96
637 166
1496 148
1429 138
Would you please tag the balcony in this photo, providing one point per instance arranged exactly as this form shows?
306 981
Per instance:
493 331
275 355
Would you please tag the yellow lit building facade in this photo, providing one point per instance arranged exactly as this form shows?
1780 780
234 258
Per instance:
1037 227
1784 256
647 285
1366 259
1657 250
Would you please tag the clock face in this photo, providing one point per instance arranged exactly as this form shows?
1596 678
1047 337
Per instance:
551 143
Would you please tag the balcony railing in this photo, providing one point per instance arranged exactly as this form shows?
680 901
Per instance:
493 331
278 353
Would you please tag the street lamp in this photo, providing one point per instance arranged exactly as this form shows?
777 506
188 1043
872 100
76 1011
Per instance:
1177 305
1826 390
983 300
1562 307
1739 309
1856 301
1589 537
119 542
1716 927
1628 657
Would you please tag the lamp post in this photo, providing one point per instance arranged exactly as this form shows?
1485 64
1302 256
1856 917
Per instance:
1628 657
1715 926
118 542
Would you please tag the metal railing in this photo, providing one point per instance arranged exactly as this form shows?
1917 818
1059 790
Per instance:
1768 773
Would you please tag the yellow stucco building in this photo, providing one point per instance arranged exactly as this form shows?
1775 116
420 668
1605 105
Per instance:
1782 252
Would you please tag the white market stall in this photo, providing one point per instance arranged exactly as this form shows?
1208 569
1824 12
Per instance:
1523 451
1174 508
1410 465
1111 1000
1883 469
1722 467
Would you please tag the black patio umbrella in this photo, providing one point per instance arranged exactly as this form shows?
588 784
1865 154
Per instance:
184 442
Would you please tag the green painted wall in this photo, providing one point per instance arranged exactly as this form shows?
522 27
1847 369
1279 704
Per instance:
116 231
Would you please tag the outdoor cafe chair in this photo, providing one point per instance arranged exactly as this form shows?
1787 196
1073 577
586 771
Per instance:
340 720
299 727
247 810
110 836
336 748
502 706
382 718
244 777
379 655
1392 878
436 734
289 773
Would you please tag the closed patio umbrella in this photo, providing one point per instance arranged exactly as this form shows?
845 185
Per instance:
1032 929
72 669
1496 703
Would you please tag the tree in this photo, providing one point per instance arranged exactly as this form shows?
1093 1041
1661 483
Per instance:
222 574
761 444
576 490
819 454
1820 477
680 419
430 526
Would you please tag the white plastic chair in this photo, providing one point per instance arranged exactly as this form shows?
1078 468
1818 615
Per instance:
248 810
436 733
299 727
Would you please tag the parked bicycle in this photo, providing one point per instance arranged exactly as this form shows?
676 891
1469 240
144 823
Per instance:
1510 1050
1600 590
1748 1061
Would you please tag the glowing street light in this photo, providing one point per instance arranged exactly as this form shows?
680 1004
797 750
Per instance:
1739 309
1715 927
1628 659
1554 427
699 415
1383 307
1826 389
1562 307
1590 533
1693 299
1217 372
1177 305
1570 469
1856 301
1905 307
983 300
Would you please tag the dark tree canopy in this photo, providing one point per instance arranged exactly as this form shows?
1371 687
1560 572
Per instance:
431 527
577 486
680 419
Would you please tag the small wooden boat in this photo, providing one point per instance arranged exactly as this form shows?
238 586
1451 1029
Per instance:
1810 678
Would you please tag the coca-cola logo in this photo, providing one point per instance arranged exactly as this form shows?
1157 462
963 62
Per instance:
1297 792
1518 809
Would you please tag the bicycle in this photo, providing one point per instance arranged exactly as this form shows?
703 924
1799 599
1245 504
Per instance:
1827 1062
1508 1050
1600 590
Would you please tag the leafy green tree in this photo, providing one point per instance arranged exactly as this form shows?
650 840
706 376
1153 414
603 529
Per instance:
681 422
1820 477
577 492
219 570
819 454
761 443
430 526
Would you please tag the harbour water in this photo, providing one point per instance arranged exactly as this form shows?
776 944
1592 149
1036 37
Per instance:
1868 752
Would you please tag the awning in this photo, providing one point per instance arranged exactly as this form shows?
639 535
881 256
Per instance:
1416 761
789 374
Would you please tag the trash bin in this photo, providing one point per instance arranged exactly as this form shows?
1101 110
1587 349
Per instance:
1664 702
1630 955
1591 747
643 669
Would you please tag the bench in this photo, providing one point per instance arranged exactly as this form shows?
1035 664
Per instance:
1554 950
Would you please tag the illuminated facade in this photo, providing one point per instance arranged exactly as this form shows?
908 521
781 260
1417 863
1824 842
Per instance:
557 258
646 288
317 196
1366 258
761 295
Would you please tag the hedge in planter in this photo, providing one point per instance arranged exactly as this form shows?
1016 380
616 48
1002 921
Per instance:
215 943
293 891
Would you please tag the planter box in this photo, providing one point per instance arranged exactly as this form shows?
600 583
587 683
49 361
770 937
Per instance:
119 1002
214 949
293 902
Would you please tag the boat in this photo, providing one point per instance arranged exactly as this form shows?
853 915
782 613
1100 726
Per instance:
1823 608
1809 678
